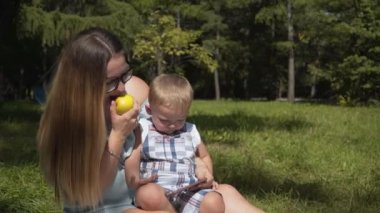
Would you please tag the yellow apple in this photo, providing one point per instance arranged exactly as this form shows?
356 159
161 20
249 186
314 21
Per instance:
123 104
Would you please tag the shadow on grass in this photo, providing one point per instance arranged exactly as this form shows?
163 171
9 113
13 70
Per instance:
18 152
239 120
226 129
251 180
5 207
19 111
12 205
18 123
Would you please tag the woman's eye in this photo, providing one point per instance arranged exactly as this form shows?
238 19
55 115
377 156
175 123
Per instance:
111 82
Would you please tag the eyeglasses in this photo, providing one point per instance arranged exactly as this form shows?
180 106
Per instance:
114 83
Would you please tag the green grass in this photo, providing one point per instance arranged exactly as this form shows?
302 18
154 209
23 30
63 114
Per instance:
22 188
283 157
295 157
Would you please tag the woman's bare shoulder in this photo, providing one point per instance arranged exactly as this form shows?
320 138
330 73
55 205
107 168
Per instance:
138 88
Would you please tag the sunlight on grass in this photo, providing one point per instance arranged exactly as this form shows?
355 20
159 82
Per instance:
295 157
283 157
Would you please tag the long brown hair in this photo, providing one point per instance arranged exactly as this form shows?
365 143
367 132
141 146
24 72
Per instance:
72 133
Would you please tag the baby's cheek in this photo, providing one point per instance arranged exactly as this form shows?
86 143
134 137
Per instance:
161 128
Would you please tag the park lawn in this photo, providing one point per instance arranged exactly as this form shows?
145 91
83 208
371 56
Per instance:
283 157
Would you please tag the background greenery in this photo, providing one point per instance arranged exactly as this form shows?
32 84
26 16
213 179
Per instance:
227 48
283 157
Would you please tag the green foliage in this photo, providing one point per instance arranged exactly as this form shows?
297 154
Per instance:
270 14
55 26
283 46
193 10
162 38
240 3
339 40
356 80
245 41
346 43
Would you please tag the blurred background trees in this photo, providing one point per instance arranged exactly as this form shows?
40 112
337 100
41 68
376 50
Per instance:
227 48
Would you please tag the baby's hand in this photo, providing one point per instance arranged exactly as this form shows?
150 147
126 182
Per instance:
215 185
201 170
202 173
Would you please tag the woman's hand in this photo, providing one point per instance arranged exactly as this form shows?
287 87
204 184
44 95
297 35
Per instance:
124 124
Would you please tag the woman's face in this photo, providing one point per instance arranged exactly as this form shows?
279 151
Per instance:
116 67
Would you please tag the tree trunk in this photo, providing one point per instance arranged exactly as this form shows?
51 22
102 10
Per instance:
314 77
217 88
216 73
291 71
160 68
313 90
175 60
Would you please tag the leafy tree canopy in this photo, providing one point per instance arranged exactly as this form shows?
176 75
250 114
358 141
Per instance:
55 21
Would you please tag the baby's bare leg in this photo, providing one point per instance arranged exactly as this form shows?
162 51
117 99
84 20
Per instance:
213 203
151 197
136 210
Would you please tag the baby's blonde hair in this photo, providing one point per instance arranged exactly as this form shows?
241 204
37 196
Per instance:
171 90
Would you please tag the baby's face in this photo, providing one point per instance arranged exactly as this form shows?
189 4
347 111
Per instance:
168 119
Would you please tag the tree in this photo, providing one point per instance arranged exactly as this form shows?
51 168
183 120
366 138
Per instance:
291 72
55 21
244 46
49 23
209 14
280 13
162 38
342 40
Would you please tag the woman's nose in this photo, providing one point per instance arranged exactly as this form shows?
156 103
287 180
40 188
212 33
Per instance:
121 87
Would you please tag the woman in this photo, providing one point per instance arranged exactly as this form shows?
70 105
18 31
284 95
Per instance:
82 141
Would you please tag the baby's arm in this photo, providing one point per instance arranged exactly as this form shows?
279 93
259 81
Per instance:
204 169
204 156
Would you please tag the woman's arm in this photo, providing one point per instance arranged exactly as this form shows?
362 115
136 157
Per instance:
110 160
122 126
132 163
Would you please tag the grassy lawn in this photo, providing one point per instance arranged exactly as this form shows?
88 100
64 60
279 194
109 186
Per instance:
283 157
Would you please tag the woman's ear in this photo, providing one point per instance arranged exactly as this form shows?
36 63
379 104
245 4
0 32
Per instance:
148 110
